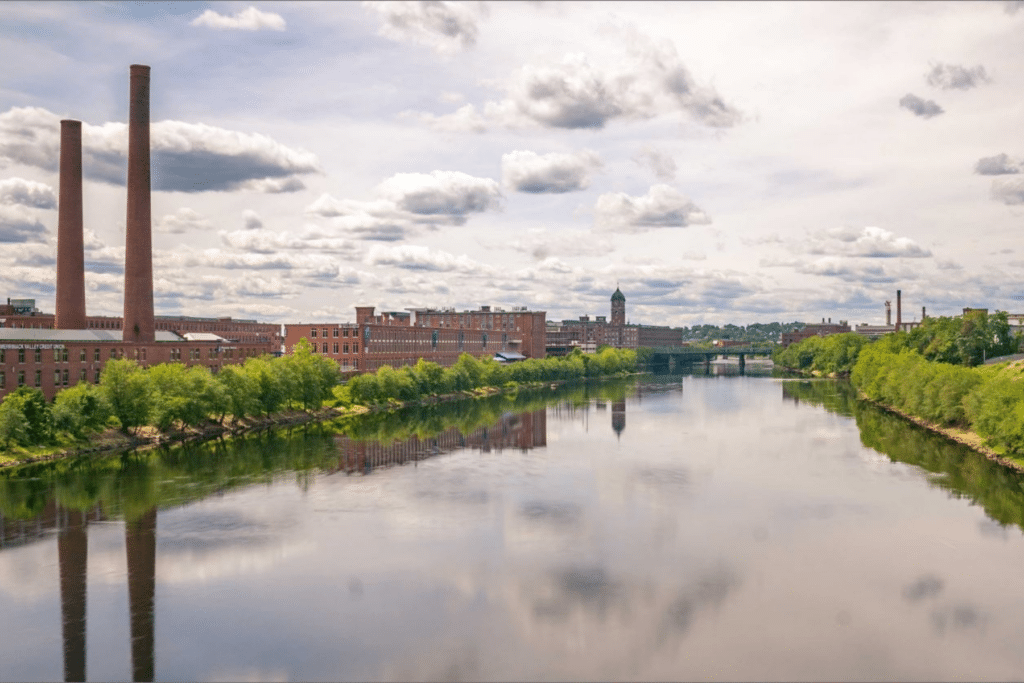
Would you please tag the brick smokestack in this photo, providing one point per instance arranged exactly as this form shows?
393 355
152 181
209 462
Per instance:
139 324
70 305
899 310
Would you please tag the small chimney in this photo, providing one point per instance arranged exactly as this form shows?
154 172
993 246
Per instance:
888 314
899 309
923 313
69 312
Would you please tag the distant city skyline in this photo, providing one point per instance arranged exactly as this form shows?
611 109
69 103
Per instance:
719 162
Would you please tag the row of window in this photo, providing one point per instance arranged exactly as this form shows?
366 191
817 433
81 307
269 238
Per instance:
61 378
140 353
315 348
323 330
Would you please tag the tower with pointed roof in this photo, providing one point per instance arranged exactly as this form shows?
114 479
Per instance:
618 307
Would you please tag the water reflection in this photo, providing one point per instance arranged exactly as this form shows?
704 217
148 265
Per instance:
960 471
531 537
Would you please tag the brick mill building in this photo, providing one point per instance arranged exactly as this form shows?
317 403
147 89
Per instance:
587 334
439 335
72 347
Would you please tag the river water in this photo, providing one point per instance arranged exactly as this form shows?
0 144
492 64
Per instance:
674 527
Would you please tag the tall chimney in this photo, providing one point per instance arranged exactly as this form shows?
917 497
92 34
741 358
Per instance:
888 314
70 304
139 324
923 312
899 310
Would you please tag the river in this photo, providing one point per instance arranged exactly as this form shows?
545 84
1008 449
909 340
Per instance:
671 527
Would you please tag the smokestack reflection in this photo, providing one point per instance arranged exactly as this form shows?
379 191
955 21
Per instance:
140 540
72 555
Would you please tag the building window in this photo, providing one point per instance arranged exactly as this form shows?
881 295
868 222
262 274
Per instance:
312 333
97 380
3 355
355 348
81 355
335 333
344 333
142 353
39 356
96 355
21 378
335 346
325 333
39 378
314 347
66 377
56 378
3 379
81 375
64 355
113 353
355 364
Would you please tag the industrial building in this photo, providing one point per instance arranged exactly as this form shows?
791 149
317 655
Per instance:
587 334
439 335
51 353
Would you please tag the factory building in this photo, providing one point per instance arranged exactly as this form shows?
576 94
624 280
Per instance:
53 353
439 335
587 334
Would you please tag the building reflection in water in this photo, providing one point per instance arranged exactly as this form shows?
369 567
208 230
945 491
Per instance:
523 431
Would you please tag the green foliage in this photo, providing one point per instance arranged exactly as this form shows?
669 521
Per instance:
13 424
834 355
80 409
308 377
967 340
126 387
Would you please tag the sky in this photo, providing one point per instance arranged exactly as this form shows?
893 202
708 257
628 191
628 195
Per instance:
720 162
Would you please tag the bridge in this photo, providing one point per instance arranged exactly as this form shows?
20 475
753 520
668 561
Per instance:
671 356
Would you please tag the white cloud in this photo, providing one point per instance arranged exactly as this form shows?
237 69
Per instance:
19 224
414 257
956 77
662 207
186 157
252 220
852 271
1008 190
872 242
27 193
250 19
554 173
410 201
270 242
541 243
920 107
181 221
662 165
445 27
573 93
1000 164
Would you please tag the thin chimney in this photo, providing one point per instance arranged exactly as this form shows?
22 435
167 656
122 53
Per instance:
923 313
888 314
899 310
70 304
139 323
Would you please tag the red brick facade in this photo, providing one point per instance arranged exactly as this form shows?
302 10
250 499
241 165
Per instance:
398 338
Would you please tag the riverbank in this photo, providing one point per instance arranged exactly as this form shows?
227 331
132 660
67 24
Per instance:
965 437
112 441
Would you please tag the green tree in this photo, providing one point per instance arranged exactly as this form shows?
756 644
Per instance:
80 409
127 390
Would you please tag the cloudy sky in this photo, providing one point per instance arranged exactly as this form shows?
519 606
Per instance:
722 162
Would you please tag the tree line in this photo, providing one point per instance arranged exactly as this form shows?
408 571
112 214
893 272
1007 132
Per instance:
932 373
172 395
